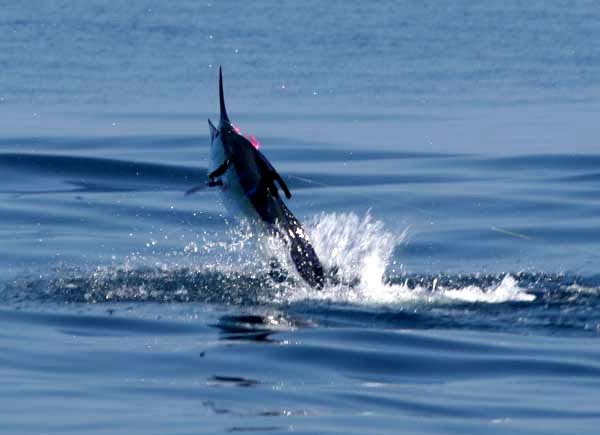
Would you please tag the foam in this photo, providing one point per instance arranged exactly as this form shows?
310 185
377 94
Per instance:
362 250
236 267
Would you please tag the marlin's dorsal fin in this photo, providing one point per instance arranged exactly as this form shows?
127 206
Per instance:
272 173
224 117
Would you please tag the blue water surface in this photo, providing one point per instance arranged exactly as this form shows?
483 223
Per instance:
443 157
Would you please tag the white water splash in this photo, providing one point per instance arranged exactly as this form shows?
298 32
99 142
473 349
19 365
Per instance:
361 249
507 290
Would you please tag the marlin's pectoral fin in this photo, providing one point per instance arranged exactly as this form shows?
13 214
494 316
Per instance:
213 183
220 170
194 190
282 184
210 183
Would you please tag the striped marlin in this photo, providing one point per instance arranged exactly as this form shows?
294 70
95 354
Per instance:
250 186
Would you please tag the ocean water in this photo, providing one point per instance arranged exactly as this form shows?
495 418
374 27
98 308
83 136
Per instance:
443 156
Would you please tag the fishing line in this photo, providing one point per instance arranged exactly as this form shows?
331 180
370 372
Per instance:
370 198
496 229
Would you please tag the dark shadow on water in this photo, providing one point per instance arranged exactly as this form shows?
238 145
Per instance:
236 381
251 327
93 174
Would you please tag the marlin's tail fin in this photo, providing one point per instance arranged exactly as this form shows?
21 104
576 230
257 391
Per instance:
303 254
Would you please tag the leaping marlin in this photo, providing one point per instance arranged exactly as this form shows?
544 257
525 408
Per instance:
247 181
